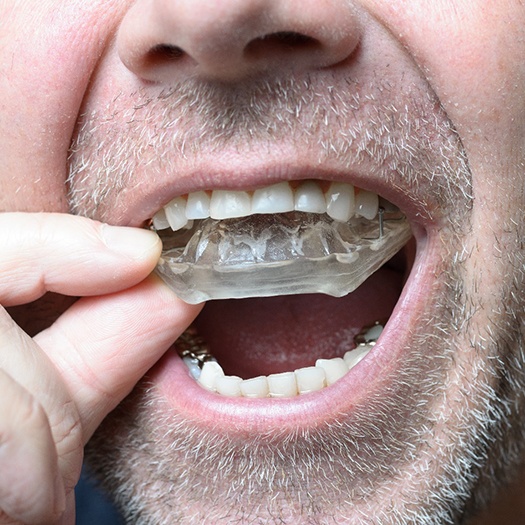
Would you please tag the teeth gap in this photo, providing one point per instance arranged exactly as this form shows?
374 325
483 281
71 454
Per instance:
205 369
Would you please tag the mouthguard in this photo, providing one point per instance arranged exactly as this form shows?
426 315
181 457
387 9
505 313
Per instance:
282 254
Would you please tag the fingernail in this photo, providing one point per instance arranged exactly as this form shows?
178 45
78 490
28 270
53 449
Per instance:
132 242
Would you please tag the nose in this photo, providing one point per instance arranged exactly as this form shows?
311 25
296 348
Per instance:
164 40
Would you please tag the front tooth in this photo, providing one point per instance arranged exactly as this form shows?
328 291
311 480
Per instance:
310 379
211 371
176 213
229 386
273 199
160 222
256 387
366 204
229 204
334 369
282 385
340 201
310 198
352 357
198 205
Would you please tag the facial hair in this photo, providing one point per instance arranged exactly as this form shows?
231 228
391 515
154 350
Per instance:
426 453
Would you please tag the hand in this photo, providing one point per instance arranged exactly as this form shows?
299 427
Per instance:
56 388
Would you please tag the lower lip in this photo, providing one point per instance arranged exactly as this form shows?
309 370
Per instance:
371 377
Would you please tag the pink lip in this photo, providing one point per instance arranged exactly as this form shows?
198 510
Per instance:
370 378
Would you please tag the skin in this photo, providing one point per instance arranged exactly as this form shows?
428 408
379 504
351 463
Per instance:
457 65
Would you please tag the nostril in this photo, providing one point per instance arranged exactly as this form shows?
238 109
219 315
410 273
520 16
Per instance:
163 53
280 42
290 39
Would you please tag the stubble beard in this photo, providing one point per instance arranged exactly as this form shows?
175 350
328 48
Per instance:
424 454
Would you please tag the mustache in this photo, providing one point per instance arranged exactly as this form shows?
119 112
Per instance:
402 133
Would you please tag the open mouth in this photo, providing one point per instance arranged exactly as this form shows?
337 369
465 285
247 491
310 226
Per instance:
308 274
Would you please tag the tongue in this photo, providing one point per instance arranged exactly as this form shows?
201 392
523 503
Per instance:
261 336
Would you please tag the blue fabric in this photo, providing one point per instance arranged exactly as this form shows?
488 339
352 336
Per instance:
93 506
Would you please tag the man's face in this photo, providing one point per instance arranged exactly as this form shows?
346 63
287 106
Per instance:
419 102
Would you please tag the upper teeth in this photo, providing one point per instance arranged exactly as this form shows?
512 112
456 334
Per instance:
340 201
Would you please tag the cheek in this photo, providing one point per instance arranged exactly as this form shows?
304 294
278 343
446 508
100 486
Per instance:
47 59
472 54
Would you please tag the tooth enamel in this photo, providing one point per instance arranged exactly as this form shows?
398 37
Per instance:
282 385
366 204
340 201
198 205
373 333
353 357
334 369
257 387
160 222
193 367
229 204
310 198
210 372
286 384
229 386
310 379
176 213
278 198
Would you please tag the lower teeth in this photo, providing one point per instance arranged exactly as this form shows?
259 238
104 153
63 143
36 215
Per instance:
204 368
292 253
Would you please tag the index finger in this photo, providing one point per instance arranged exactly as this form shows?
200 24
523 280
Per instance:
102 346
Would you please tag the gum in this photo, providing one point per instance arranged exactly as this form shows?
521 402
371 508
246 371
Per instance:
283 254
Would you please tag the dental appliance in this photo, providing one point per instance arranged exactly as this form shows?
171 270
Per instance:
280 254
